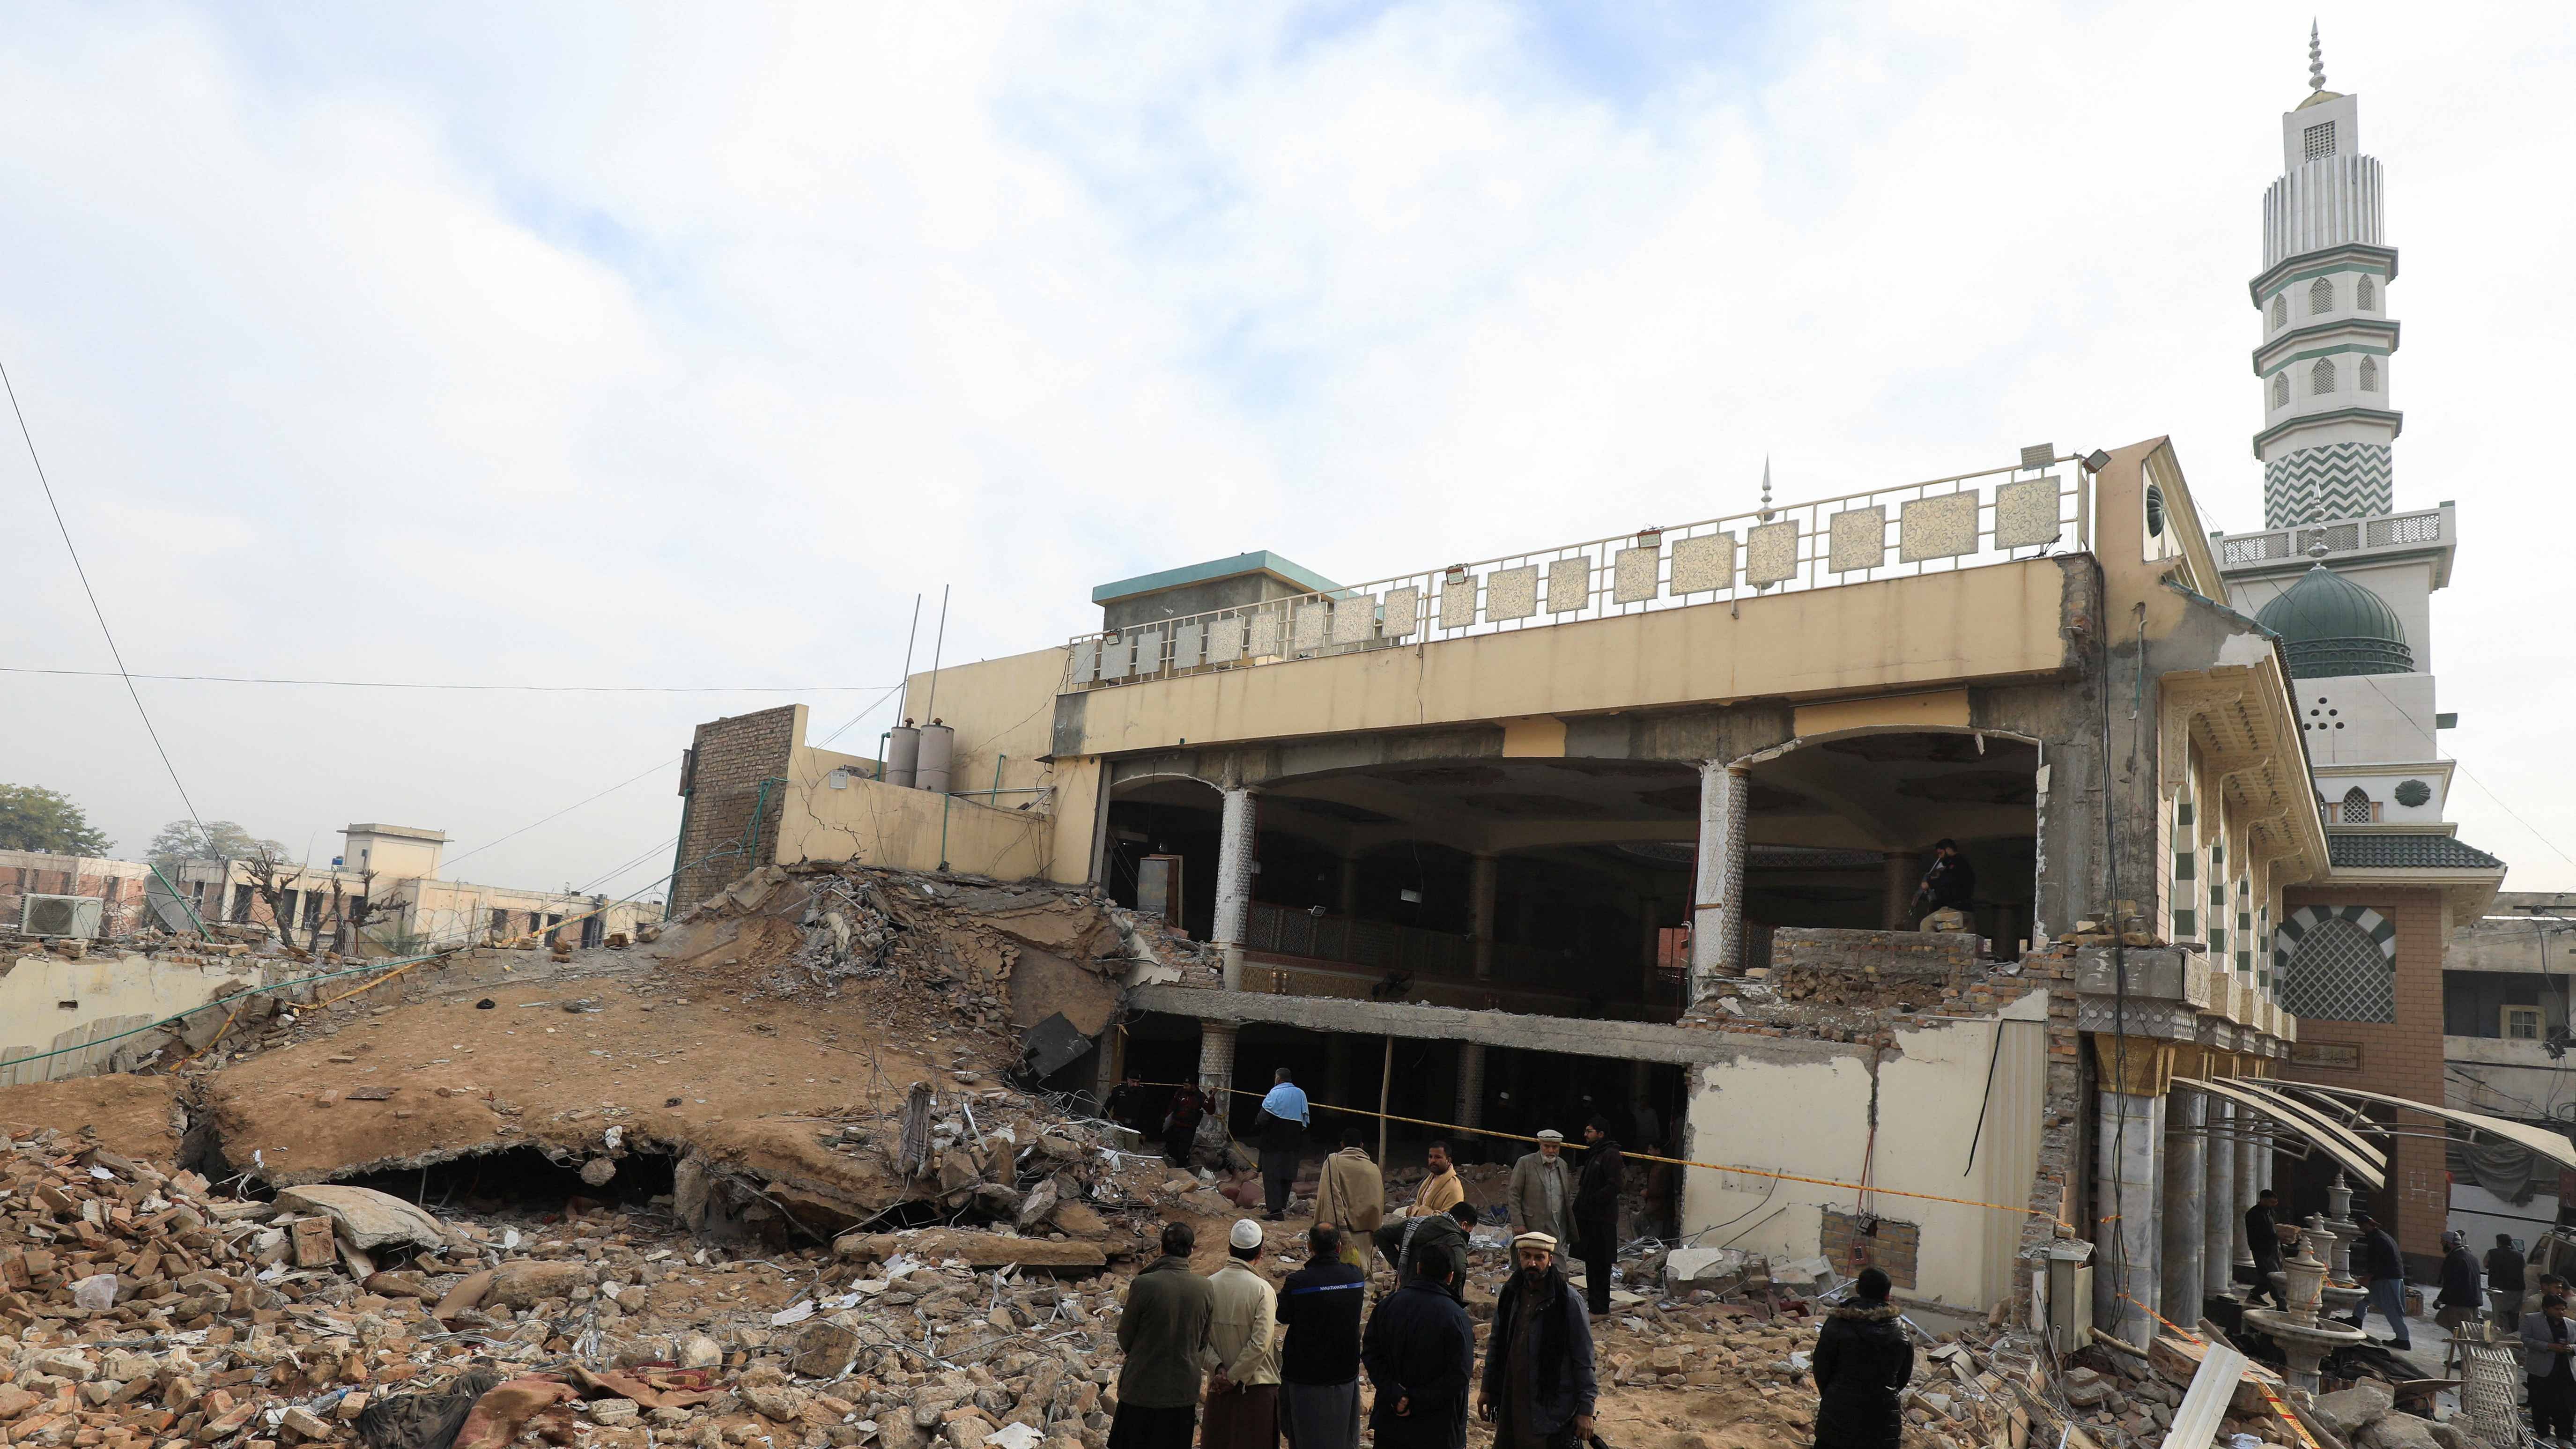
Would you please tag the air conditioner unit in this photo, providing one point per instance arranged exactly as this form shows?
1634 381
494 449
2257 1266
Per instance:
58 915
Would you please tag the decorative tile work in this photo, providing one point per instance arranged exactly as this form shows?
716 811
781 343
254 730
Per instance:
1512 593
1859 540
2026 513
1944 527
1634 574
1771 553
1703 563
1457 602
1118 657
1225 639
1403 612
1354 619
1085 663
1189 637
1569 585
1265 633
1313 618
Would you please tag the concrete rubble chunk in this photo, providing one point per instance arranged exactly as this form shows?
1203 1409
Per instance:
2396 1431
367 1219
2346 1410
977 1250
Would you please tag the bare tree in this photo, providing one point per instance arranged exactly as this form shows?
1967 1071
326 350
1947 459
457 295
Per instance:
270 877
350 914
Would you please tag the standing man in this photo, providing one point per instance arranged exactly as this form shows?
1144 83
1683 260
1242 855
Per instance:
1243 1385
2545 1350
2460 1301
2263 1240
1543 1189
1181 1123
1441 1190
1950 884
1420 1351
1350 1194
2504 1282
2383 1272
1319 1363
1538 1389
1162 1330
1862 1362
1284 1115
1596 1212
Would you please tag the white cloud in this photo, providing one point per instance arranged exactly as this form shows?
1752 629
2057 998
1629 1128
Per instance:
687 346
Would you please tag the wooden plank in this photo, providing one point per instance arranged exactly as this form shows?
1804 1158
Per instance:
2205 1406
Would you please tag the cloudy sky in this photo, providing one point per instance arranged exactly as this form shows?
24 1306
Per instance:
675 346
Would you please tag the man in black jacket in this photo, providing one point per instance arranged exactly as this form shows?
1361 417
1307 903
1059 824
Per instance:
2263 1240
1596 1212
1319 1362
1440 1235
1950 884
2383 1271
1862 1361
1420 1351
2504 1282
1538 1391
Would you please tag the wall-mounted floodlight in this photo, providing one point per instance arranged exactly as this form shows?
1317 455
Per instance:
2097 460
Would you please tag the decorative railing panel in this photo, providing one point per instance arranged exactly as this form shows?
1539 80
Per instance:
1939 526
2339 535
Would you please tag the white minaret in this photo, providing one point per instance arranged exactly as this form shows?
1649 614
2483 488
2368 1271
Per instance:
2327 336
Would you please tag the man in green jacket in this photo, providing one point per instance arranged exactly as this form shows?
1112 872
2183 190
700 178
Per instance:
1162 1330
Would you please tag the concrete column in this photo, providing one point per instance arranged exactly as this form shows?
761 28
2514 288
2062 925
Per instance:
2130 1136
1216 1065
1484 882
1234 856
2186 1187
1897 880
1471 1093
1349 896
2218 1206
2247 1153
1337 1079
1717 904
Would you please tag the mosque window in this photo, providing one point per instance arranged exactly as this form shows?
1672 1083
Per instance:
2281 310
2357 808
2365 294
2320 297
2321 378
2370 374
2337 972
2280 389
2318 140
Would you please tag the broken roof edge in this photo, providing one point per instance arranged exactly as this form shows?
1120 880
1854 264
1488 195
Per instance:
1261 561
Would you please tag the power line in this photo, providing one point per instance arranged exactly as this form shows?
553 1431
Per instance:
410 684
2418 721
567 810
113 652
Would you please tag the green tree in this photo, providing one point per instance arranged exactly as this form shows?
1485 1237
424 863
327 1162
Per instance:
35 818
215 840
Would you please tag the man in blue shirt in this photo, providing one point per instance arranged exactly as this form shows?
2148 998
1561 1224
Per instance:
1282 1130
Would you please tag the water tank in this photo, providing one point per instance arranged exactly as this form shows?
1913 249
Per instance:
938 746
903 753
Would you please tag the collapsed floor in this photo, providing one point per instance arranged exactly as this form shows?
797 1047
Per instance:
771 1175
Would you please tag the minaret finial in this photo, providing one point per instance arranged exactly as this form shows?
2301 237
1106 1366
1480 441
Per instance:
1766 487
2316 59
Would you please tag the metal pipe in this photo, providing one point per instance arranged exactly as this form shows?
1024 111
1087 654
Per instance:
1385 1079
930 711
882 737
909 636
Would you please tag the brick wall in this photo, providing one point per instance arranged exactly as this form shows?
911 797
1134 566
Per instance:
1886 955
2402 1058
1851 1243
117 884
730 758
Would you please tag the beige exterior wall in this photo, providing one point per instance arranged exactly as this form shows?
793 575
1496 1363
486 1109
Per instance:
47 1002
1809 1116
1931 630
890 825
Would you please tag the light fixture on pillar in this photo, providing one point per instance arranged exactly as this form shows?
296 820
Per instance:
2096 461
1409 896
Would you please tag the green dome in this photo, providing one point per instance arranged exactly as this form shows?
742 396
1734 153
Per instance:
2334 627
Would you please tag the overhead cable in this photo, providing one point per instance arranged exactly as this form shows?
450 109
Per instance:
416 684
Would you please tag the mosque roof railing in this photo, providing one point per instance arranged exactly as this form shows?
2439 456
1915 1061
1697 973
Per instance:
2345 540
1971 520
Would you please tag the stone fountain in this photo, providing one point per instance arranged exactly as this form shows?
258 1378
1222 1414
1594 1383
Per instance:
2342 1294
2304 1334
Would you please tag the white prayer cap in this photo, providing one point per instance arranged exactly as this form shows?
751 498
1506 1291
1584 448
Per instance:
1550 1134
1535 1240
1246 1234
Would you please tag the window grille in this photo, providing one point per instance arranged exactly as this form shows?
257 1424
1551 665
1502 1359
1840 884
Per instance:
2339 974
2281 310
2370 374
2365 294
2320 297
2280 389
2357 809
2522 1023
2321 378
2318 140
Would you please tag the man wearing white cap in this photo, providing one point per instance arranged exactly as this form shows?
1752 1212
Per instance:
1243 1386
1543 1188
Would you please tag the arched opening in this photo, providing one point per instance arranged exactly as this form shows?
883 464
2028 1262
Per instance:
2321 378
2320 297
